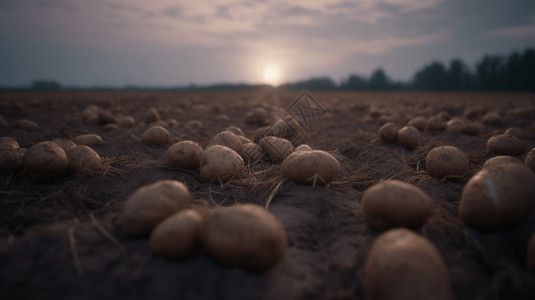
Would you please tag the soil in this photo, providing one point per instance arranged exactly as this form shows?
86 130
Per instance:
60 239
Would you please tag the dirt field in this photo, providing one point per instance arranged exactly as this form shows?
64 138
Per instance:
52 245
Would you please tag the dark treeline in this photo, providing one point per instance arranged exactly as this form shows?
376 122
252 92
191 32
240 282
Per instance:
513 72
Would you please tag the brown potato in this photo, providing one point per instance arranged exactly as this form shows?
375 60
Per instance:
235 129
502 144
156 135
277 148
194 125
389 132
404 265
152 116
500 160
257 116
82 158
455 126
26 125
65 144
492 118
10 154
44 161
88 139
311 167
253 152
126 122
303 147
531 252
227 139
246 236
3 122
151 204
393 203
435 123
446 160
514 131
106 117
472 128
418 122
530 160
409 137
497 195
185 155
221 163
177 236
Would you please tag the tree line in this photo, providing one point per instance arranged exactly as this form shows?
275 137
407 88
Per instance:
513 72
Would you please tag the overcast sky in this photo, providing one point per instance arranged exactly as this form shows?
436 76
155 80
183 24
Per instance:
164 42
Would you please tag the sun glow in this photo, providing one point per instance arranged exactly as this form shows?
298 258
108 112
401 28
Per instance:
271 75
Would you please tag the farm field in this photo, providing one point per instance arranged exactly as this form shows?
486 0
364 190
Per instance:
61 240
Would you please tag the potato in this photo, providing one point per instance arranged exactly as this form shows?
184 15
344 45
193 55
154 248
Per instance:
392 203
418 122
530 160
472 128
228 139
260 133
106 117
185 155
404 265
246 236
258 116
409 137
26 125
194 125
531 252
151 204
253 152
65 144
455 126
502 144
152 116
514 131
435 123
221 163
446 160
177 236
126 122
44 161
497 195
88 139
10 154
156 135
277 148
303 147
3 122
492 118
82 158
389 132
235 129
500 160
306 166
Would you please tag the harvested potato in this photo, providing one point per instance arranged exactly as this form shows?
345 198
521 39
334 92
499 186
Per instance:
502 144
311 167
177 236
235 129
260 133
126 122
497 195
393 203
404 265
277 148
303 147
152 116
156 135
10 154
455 126
418 122
82 158
185 155
500 160
531 252
221 163
492 118
253 152
194 125
3 122
227 139
258 116
65 144
88 139
389 132
514 131
435 123
44 161
246 236
26 125
472 128
530 160
151 204
409 137
106 117
446 160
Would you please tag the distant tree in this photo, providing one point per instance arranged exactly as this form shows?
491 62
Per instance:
46 85
460 76
432 77
379 80
354 82
490 72
319 83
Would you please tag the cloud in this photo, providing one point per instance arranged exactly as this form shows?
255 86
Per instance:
523 31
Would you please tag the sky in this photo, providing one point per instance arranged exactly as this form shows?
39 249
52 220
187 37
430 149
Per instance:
169 43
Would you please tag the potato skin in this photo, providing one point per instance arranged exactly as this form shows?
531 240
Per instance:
83 158
44 161
88 139
277 148
10 154
227 139
446 160
502 144
530 160
418 122
185 154
178 235
156 135
221 163
301 166
402 265
500 160
253 152
246 236
151 204
409 137
388 132
394 203
497 195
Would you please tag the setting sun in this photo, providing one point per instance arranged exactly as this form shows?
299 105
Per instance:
271 75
